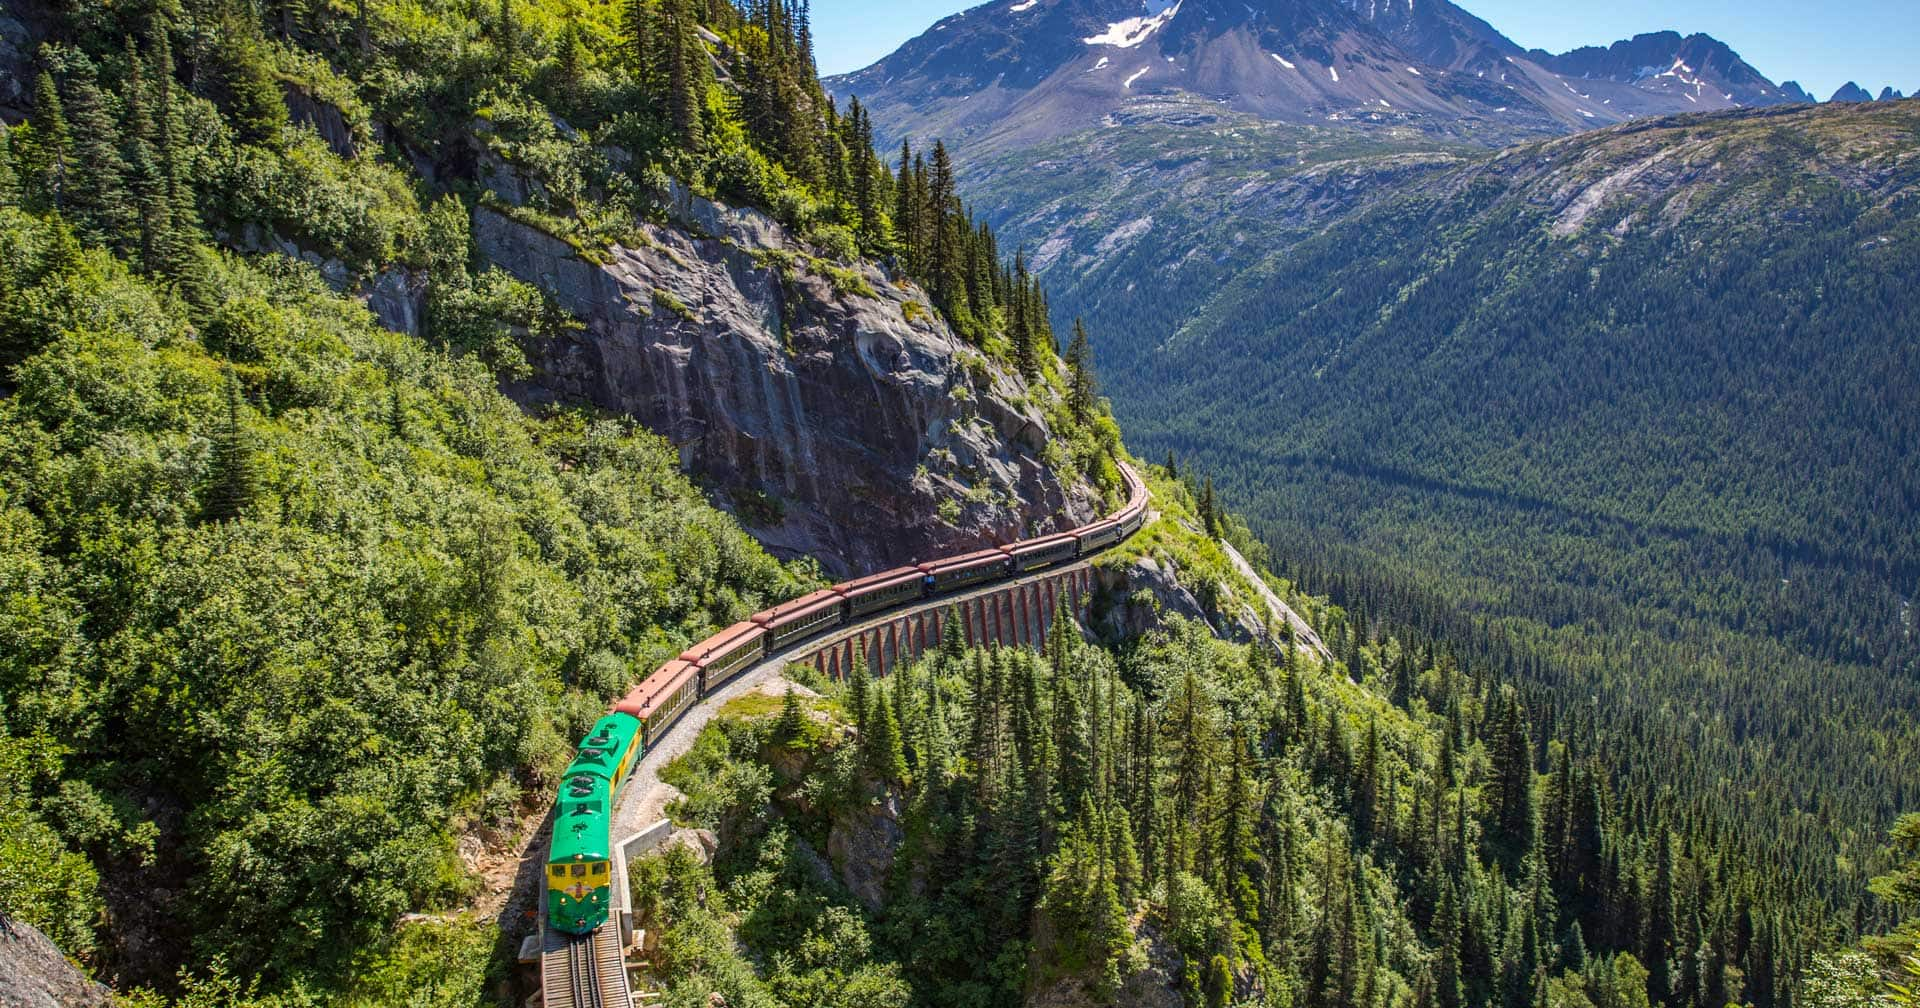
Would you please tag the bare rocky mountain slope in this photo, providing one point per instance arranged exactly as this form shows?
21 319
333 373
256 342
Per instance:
827 401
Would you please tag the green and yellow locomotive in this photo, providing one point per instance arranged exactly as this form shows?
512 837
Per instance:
579 862
580 858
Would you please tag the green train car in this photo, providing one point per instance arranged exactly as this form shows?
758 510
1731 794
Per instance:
580 858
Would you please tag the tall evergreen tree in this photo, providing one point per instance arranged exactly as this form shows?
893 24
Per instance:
1660 927
1080 394
45 149
249 89
141 137
232 481
859 688
97 196
686 74
885 757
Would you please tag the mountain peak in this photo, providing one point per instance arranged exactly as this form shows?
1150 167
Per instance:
1694 64
1889 94
1851 92
1016 72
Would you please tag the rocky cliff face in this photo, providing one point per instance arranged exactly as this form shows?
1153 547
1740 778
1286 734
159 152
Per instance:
33 973
825 401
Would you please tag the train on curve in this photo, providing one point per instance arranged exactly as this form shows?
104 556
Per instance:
580 857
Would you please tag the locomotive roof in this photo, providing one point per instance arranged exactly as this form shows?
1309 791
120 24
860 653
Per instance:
580 824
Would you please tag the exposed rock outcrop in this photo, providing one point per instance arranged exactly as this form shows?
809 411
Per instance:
397 296
862 844
326 120
22 28
1146 592
1140 595
33 973
827 401
1152 977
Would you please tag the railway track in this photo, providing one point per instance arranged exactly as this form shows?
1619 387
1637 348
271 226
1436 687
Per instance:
584 971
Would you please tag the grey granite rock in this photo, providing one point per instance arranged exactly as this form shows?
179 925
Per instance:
825 401
34 974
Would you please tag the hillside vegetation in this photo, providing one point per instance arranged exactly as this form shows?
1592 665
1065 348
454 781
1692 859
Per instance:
1634 409
296 610
281 623
1180 820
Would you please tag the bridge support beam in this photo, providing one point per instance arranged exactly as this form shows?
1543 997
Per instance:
1015 615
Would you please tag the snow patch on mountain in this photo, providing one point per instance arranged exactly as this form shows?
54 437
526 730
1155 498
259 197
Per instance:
1132 31
1128 83
1282 60
1022 5
1335 73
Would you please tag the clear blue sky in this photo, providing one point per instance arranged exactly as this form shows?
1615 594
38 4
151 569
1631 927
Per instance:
1821 45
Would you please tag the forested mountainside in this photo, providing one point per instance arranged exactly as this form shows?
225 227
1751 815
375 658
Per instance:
1636 408
301 611
1171 819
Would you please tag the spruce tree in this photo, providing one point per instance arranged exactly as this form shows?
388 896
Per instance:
943 250
183 216
1660 927
864 167
1449 986
953 639
885 758
641 37
901 692
1366 804
146 180
858 688
686 70
1080 394
792 721
232 480
96 198
1072 768
906 219
1122 855
1235 837
45 150
1019 332
250 90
